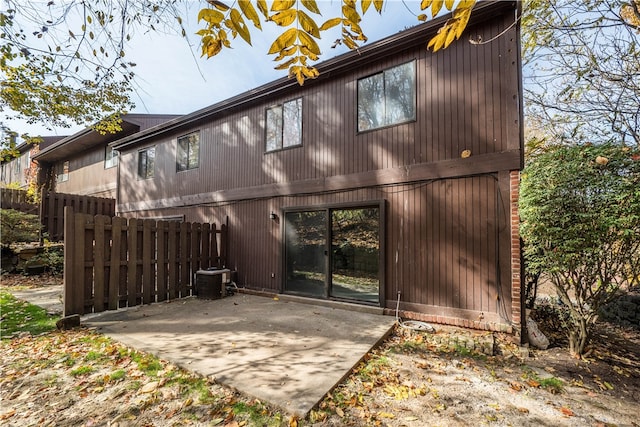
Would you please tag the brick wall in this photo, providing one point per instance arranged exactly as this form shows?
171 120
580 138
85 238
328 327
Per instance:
516 279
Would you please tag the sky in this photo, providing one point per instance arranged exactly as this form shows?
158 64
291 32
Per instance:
172 78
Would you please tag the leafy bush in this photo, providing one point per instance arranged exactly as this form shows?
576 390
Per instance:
52 259
16 227
580 210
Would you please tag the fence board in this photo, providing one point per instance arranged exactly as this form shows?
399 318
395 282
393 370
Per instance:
78 264
196 234
183 255
99 264
52 206
18 200
205 238
161 260
69 249
173 260
132 266
112 263
148 248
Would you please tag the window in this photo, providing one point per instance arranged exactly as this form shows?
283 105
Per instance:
62 171
110 158
387 98
284 125
188 154
146 162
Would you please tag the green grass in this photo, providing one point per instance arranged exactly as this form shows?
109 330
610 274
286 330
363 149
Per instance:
82 370
20 316
147 363
553 384
117 375
373 367
257 414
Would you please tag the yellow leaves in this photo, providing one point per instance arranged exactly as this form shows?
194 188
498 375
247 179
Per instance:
308 25
211 46
282 5
453 28
311 5
297 46
308 42
330 23
284 18
285 40
213 17
387 415
630 14
237 24
404 391
301 73
250 12
264 9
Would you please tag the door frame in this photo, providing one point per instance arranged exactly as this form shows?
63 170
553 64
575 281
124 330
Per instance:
328 207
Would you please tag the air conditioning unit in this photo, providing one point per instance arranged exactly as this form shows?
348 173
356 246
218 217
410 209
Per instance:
211 284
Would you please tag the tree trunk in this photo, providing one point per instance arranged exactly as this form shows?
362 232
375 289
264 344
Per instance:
578 337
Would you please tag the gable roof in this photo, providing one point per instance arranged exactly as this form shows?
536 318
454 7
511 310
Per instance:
417 35
88 138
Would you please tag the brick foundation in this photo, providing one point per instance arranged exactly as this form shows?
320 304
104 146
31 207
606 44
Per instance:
516 267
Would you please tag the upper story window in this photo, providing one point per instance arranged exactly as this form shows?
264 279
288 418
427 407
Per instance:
387 98
146 162
188 153
284 125
62 171
110 158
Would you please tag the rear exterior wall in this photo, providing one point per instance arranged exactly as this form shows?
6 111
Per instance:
88 175
448 230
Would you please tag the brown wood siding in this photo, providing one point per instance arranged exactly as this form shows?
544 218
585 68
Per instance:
442 241
467 98
447 227
87 175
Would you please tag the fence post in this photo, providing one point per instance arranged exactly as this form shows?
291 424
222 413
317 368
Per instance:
67 275
73 294
99 263
148 250
132 265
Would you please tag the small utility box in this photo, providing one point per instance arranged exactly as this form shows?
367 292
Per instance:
210 284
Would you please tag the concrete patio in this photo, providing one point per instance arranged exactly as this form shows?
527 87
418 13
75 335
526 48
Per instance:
279 350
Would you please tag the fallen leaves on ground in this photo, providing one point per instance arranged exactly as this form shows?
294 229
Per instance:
80 377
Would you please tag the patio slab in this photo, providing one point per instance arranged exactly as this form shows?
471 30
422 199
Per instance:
284 352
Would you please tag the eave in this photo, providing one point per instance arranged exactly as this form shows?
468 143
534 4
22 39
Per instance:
418 35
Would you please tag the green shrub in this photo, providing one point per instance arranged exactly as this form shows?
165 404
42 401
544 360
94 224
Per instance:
580 210
18 227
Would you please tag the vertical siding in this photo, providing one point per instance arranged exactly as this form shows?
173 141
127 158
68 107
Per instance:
467 98
88 176
444 236
442 240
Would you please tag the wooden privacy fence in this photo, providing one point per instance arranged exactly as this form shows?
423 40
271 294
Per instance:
52 206
18 200
114 262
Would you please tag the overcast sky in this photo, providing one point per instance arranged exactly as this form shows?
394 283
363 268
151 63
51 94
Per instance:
173 79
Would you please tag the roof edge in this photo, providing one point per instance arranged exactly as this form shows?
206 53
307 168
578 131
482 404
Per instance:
483 11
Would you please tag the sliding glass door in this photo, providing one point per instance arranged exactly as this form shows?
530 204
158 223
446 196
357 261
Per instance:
349 267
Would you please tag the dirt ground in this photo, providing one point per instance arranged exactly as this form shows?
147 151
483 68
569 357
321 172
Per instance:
413 379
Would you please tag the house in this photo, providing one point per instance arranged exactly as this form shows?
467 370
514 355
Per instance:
389 181
84 163
22 170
